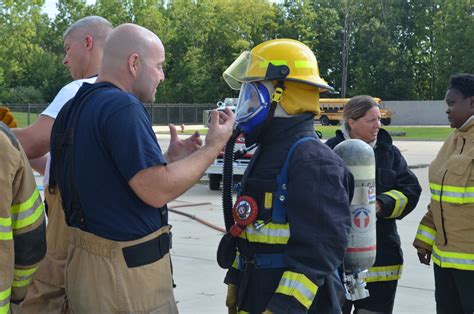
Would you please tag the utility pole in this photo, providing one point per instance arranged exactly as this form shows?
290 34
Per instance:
432 49
345 48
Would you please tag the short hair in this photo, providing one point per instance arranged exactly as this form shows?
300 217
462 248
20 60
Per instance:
357 107
93 25
464 83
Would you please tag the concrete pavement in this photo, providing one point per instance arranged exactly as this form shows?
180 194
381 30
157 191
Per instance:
199 279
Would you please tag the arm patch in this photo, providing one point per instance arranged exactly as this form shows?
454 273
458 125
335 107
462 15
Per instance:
30 247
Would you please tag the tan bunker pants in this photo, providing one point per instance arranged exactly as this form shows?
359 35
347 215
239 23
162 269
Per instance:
104 276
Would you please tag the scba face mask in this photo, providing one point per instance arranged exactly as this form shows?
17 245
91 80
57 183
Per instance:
253 105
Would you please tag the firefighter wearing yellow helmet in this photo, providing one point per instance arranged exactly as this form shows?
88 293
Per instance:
287 258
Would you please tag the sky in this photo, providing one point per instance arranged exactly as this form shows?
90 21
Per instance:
50 7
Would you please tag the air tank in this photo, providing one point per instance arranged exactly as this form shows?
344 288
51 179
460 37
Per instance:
360 255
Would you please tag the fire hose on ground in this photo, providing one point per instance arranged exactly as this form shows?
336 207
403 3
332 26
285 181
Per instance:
194 217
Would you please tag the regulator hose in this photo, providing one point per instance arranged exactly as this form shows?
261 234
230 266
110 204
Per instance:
227 174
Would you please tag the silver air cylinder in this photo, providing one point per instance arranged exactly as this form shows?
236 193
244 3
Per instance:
360 255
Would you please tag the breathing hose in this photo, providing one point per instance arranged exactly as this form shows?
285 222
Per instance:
227 175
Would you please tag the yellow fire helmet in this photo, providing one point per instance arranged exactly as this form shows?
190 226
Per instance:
281 59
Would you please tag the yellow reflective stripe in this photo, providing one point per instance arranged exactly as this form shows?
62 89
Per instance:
384 273
426 234
6 229
243 312
298 286
5 222
305 64
270 233
5 308
25 205
5 301
27 213
268 200
452 194
299 64
453 199
463 261
264 64
451 188
400 202
22 277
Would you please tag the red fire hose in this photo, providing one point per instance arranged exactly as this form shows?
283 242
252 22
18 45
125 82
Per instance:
194 217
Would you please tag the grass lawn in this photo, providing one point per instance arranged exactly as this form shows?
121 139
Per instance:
22 118
399 133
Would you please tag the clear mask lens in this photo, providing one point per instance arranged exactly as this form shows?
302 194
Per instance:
254 97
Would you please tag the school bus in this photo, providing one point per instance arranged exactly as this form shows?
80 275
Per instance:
331 111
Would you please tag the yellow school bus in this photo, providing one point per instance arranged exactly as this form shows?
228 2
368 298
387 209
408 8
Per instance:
331 111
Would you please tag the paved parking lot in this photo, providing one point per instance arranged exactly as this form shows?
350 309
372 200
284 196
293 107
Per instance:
199 279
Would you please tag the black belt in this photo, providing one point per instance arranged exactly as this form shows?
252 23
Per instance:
147 252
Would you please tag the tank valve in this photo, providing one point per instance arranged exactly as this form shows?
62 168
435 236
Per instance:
355 285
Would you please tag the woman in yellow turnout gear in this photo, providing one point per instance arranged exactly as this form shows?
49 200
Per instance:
22 223
446 232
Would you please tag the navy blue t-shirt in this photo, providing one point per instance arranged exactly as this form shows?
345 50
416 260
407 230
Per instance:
113 141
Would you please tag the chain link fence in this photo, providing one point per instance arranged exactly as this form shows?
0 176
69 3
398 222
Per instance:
161 114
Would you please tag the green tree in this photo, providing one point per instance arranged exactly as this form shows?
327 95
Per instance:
117 12
19 20
203 38
453 44
395 50
316 24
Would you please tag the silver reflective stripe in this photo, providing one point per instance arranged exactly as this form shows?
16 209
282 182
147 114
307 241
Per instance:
21 278
4 301
457 194
6 229
452 260
298 286
269 232
397 195
426 234
25 214
382 274
453 194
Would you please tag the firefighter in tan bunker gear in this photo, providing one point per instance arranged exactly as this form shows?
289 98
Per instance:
115 202
446 232
22 222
